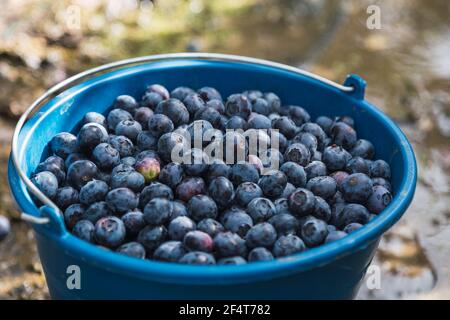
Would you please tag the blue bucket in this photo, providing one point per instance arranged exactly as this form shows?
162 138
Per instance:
331 271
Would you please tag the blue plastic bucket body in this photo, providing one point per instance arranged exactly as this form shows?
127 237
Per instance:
332 271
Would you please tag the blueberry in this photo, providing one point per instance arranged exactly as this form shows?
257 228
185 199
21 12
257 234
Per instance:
235 123
117 115
171 174
343 135
73 214
286 126
109 232
297 153
190 187
284 224
260 254
152 237
179 226
197 257
96 211
299 115
335 235
221 191
121 200
169 142
261 209
352 227
145 140
232 261
260 106
217 169
149 168
201 207
142 115
335 158
129 161
308 140
5 227
272 158
209 226
159 89
158 211
339 177
129 129
63 144
134 222
302 202
288 190
209 114
379 199
195 162
295 173
239 105
132 249
235 148
288 245
91 135
170 251
253 95
151 100
345 119
322 210
273 183
159 124
243 172
237 221
53 166
181 93
259 121
277 137
123 145
273 100
363 148
325 123
380 169
208 94
382 182
65 197
122 168
179 209
313 232
228 244
198 130
193 103
352 213
105 156
132 180
46 182
323 186
316 131
357 165
125 102
175 110
198 241
84 230
147 154
315 169
94 117
282 206
357 188
246 192
316 156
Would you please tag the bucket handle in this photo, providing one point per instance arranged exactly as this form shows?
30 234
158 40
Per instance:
352 86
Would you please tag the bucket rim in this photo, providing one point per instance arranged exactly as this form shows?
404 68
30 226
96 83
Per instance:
180 273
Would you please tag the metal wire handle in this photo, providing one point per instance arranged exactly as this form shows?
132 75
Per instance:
83 76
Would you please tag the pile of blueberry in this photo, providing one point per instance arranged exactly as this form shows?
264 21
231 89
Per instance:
118 187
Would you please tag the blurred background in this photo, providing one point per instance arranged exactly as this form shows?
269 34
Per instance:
405 62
